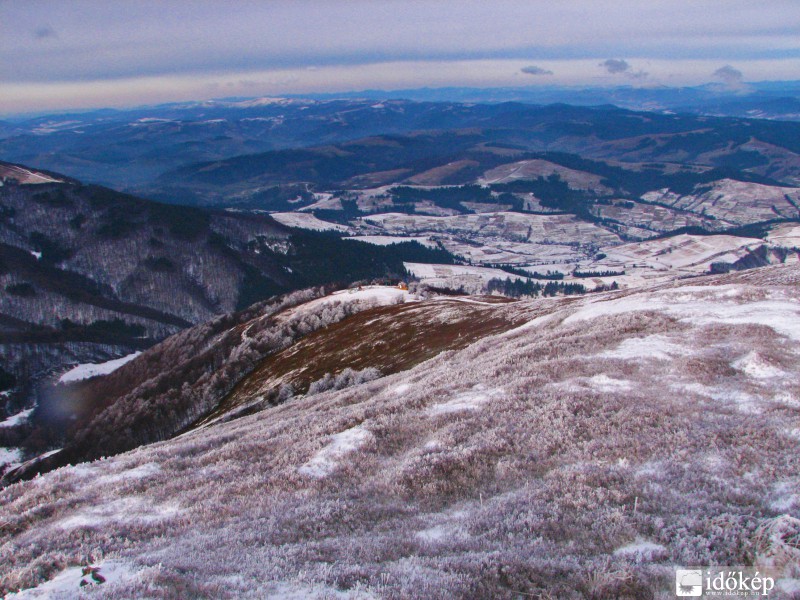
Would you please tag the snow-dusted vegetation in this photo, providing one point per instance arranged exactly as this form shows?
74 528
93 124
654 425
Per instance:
585 451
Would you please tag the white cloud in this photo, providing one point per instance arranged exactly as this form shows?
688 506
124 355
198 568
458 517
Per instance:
732 79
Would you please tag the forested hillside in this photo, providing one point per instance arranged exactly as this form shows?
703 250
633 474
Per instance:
87 273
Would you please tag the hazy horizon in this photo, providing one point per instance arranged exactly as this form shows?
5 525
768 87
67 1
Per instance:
56 56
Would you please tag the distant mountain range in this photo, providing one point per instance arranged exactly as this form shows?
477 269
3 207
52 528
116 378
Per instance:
773 99
486 137
147 150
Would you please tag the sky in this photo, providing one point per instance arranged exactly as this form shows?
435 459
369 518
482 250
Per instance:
63 54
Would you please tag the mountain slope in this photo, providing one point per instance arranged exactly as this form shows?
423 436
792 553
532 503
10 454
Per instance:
88 274
583 453
249 361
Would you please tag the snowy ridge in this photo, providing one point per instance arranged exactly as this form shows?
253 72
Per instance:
24 175
307 221
89 370
374 295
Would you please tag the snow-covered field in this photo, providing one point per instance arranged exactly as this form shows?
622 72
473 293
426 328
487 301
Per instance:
531 169
306 221
786 235
323 201
26 176
388 240
735 202
86 371
501 251
556 229
646 220
585 454
17 419
691 253
432 273
67 584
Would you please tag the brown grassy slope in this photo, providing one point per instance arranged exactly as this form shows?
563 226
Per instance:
389 338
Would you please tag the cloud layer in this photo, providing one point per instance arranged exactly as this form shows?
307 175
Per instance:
51 42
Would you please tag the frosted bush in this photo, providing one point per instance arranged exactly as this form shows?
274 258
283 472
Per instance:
347 378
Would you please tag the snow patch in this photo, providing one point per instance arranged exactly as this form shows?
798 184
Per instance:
388 240
437 533
17 419
473 399
67 584
703 306
10 456
95 471
401 389
326 461
140 472
532 324
306 221
755 366
657 347
744 402
285 590
89 370
785 496
786 399
604 383
124 510
427 271
641 551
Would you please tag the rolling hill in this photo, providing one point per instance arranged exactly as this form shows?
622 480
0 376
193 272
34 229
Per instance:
235 152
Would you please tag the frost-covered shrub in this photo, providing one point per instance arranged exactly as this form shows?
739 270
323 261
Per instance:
347 378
